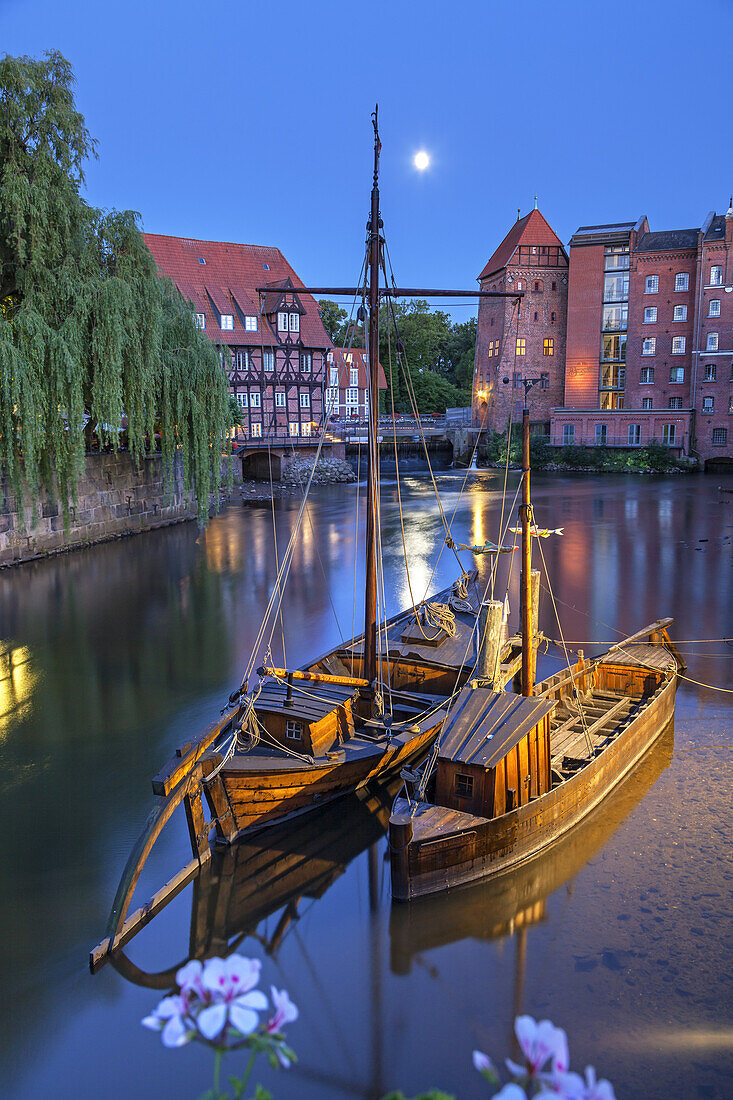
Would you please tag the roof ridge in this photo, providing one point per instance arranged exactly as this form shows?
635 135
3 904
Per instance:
199 240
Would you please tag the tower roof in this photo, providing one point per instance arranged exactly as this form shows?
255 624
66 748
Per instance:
532 229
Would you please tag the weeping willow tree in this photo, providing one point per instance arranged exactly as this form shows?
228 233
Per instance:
89 332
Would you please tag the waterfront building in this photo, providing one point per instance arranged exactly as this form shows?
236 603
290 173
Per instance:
275 342
530 342
347 383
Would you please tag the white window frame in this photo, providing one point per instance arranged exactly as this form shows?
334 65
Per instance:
293 428
334 377
647 403
257 431
305 429
279 399
242 359
716 275
352 397
650 315
649 379
652 284
634 435
708 404
282 322
268 360
306 362
332 398
601 434
682 281
305 400
242 399
714 312
354 376
678 345
649 345
201 320
226 322
669 434
255 399
294 322
568 435
712 342
676 375
720 432
675 402
679 313
250 323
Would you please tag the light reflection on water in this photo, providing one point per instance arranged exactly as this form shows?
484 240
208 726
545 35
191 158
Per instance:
113 656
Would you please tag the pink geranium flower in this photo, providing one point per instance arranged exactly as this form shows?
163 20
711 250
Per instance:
229 984
171 1018
285 1011
540 1043
597 1090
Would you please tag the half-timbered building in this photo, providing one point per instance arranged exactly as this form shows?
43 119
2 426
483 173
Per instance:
347 383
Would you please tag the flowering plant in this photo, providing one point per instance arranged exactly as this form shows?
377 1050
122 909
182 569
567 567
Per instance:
217 1004
545 1074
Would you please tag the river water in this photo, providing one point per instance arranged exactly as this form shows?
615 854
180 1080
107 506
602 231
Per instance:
113 656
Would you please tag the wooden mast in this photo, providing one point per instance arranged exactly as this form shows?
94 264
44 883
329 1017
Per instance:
526 517
370 601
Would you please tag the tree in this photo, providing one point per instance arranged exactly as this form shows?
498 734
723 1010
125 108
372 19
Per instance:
89 332
438 356
333 317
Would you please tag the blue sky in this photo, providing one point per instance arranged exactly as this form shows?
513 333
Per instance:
250 121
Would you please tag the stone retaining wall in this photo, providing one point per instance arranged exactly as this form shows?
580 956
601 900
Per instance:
114 498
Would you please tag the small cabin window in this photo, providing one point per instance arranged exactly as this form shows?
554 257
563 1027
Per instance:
294 730
464 785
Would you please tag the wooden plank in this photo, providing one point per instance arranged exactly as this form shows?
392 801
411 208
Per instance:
174 771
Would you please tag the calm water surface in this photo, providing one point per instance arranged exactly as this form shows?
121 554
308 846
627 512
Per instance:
111 657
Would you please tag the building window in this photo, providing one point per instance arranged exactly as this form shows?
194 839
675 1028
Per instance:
601 433
552 315
202 260
521 345
615 288
464 785
279 399
649 346
227 322
332 398
354 376
650 315
652 284
536 315
520 285
539 286
554 287
544 381
548 347
730 404
305 428
256 431
294 730
294 428
677 374
720 437
712 341
282 322
647 376
255 399
634 435
716 275
242 399
352 397
268 361
306 362
568 434
711 372
675 402
669 434
250 323
682 281
678 345
516 380
201 319
647 403
713 311
295 322
680 313
334 376
305 400
242 360
708 404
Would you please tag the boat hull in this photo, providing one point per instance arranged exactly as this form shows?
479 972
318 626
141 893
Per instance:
475 848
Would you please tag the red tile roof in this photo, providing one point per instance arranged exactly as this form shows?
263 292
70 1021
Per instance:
532 229
226 284
358 362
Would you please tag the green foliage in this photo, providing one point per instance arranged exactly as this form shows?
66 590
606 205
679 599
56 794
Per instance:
439 356
434 1094
655 458
89 333
334 319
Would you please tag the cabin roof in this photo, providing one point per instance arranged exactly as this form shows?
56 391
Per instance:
485 725
319 701
643 655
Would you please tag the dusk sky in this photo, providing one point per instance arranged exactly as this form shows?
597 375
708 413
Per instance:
250 121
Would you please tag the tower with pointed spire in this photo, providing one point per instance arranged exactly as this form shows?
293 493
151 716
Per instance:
526 342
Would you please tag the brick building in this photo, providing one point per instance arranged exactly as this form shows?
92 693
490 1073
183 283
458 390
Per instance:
530 258
347 383
276 340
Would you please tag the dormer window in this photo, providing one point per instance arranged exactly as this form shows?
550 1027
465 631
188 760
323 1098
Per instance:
295 322
227 322
202 260
250 323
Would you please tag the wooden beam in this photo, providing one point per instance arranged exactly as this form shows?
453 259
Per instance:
316 677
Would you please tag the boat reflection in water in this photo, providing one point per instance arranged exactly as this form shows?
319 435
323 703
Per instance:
516 900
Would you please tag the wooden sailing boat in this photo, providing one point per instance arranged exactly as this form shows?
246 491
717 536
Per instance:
515 773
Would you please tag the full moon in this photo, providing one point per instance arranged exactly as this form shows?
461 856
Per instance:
421 160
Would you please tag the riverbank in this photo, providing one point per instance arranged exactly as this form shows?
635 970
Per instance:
653 459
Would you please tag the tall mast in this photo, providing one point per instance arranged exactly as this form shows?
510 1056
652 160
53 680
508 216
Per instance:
526 514
370 601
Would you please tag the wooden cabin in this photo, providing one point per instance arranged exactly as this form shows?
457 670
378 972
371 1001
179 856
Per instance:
312 719
494 752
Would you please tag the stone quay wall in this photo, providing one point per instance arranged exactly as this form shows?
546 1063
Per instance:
114 498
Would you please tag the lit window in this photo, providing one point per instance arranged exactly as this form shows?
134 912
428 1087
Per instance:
712 341
677 374
255 399
708 404
294 730
306 362
568 434
250 323
295 322
227 322
256 431
647 375
201 320
544 381
634 436
354 376
650 315
305 400
720 437
682 281
680 313
678 345
675 402
279 399
282 322
521 345
242 399
268 360
348 358
464 785
649 346
716 275
305 429
548 347
713 311
652 284
669 434
294 428
647 403
601 433
520 285
711 372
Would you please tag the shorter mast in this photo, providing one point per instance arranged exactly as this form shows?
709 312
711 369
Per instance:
525 512
370 599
